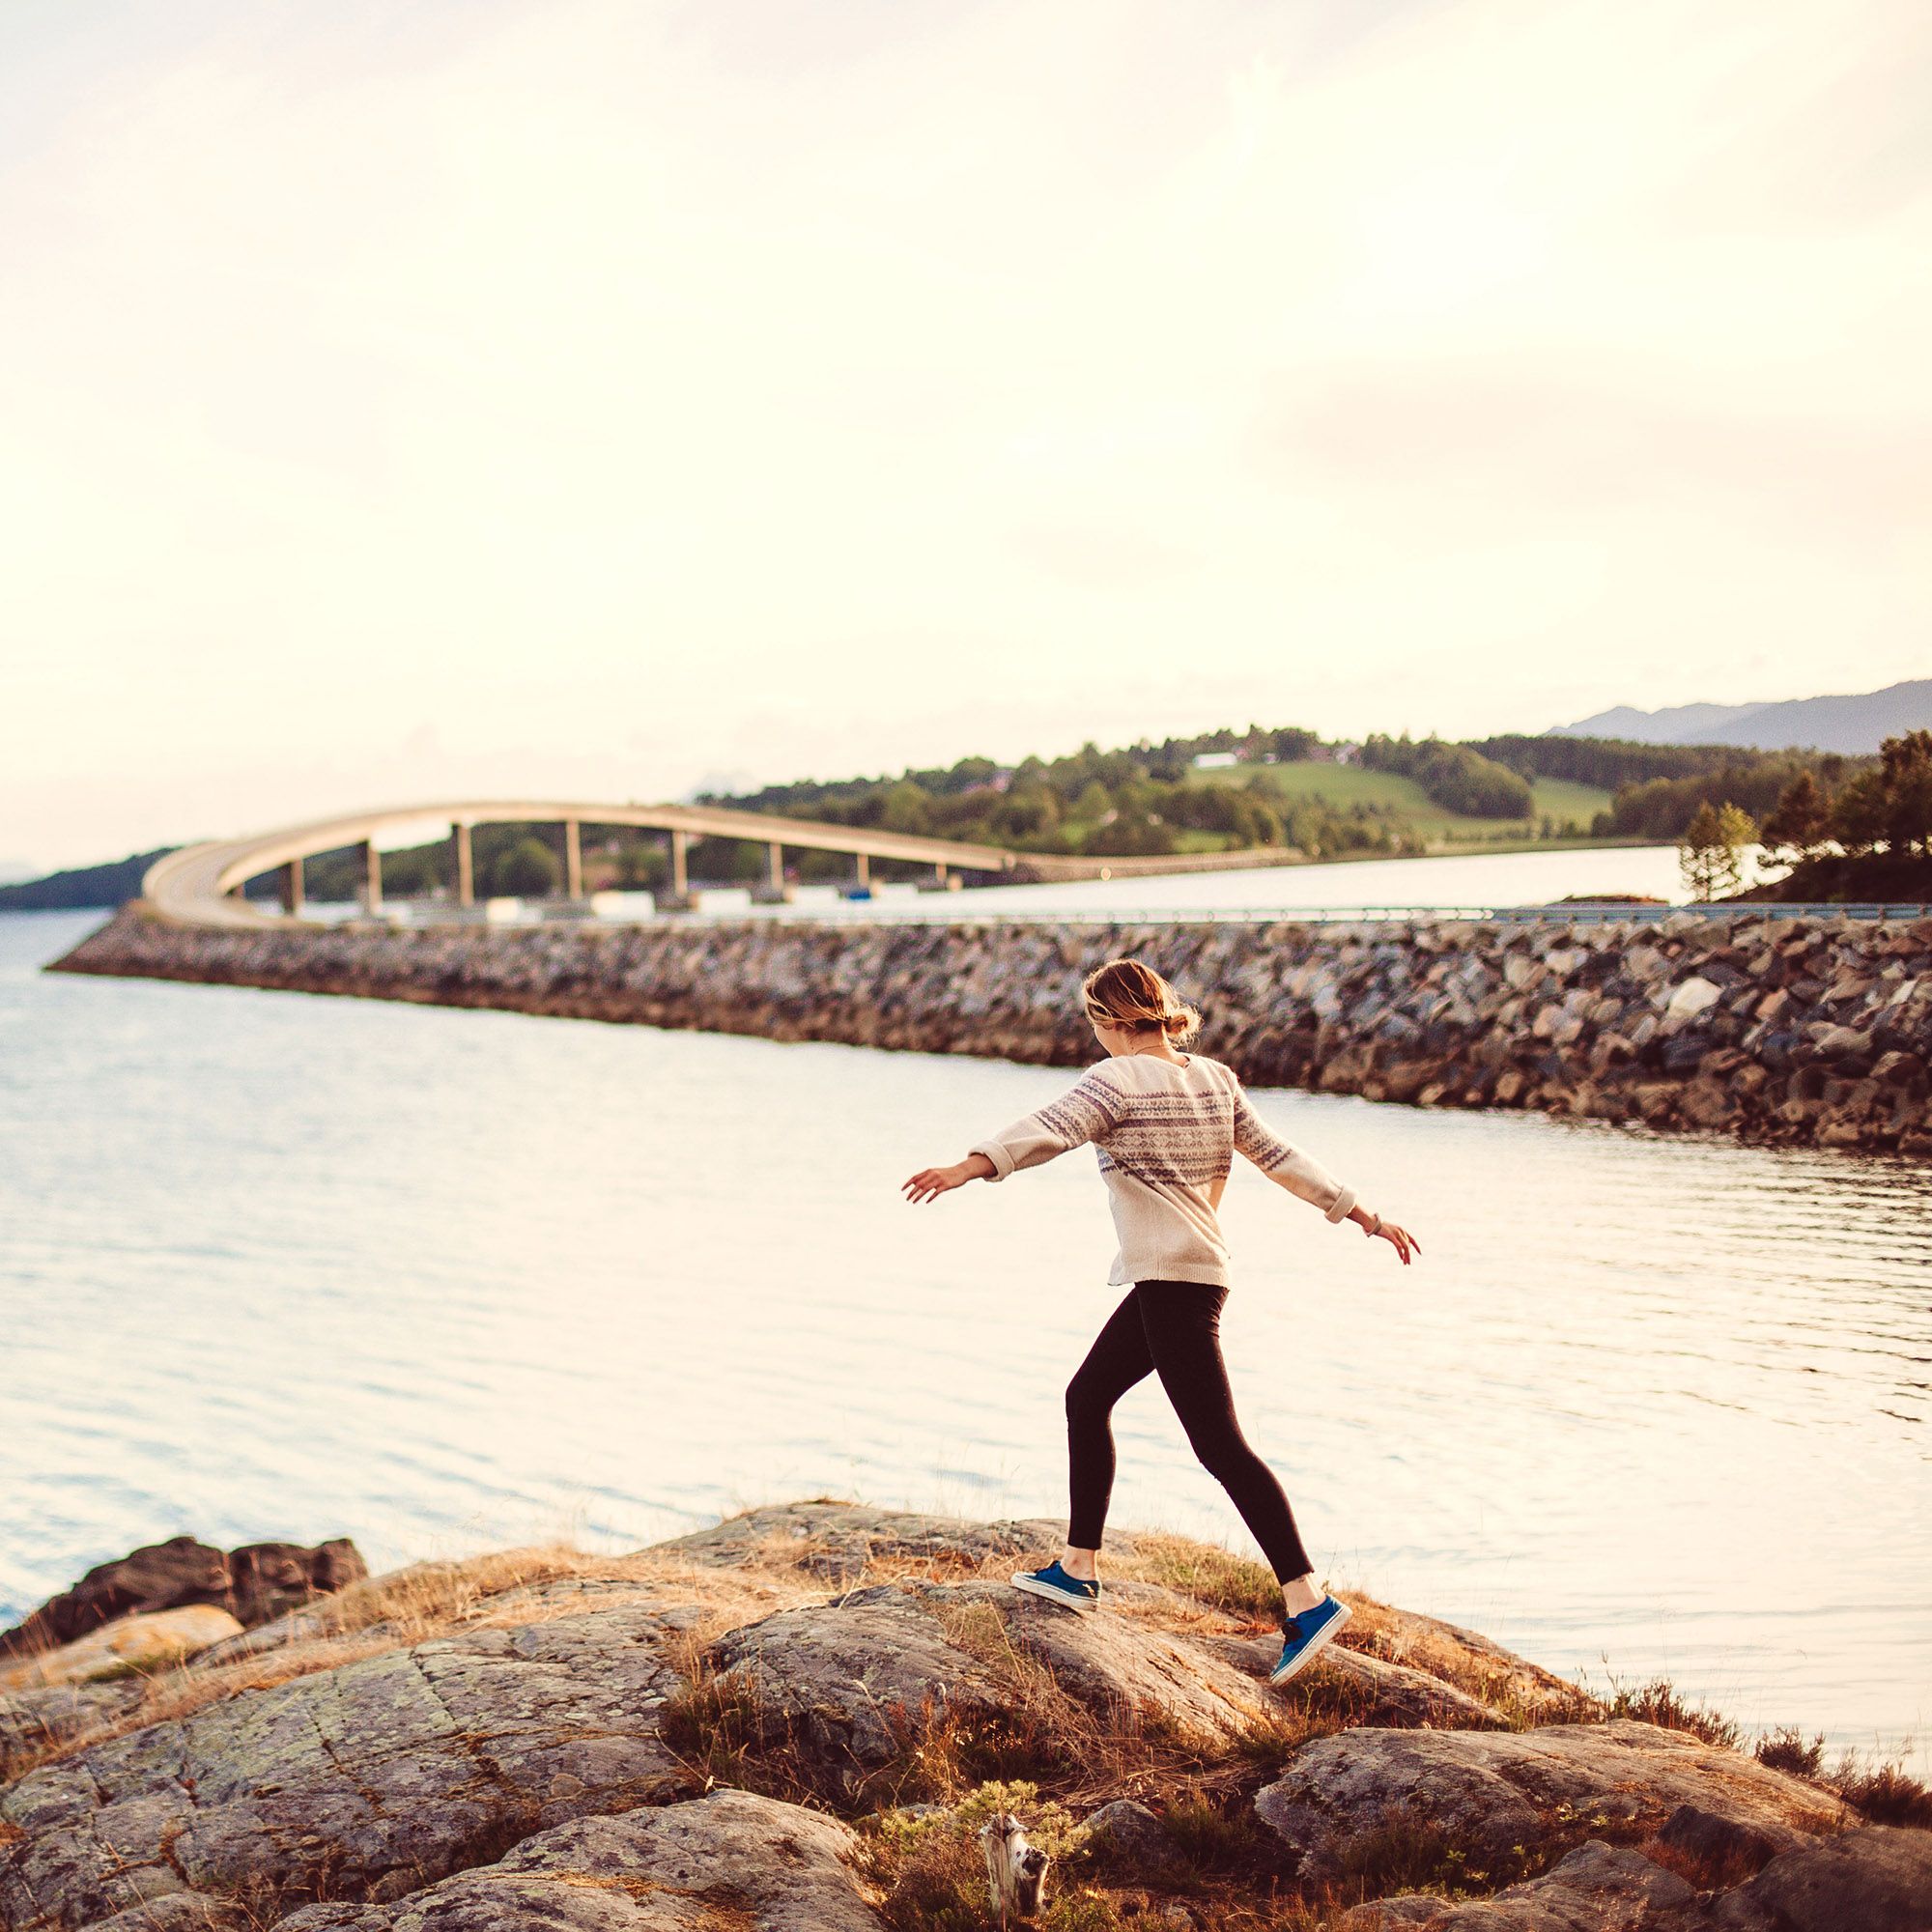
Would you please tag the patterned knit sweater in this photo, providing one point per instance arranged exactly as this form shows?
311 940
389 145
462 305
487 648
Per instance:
1165 1136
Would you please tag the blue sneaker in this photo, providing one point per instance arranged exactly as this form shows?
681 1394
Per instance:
1058 1587
1304 1634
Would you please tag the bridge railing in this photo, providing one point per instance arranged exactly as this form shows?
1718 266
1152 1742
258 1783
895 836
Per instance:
1583 914
958 909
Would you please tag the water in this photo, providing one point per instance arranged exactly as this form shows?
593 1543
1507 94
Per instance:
1463 879
282 1266
1471 879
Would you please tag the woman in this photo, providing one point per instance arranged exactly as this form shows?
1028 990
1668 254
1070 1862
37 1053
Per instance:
1165 1126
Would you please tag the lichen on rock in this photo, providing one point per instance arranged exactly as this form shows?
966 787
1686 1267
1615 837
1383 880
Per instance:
799 1720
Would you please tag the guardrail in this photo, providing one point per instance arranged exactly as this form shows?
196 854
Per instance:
1581 914
893 911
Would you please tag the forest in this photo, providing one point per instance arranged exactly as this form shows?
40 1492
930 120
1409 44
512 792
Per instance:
1274 786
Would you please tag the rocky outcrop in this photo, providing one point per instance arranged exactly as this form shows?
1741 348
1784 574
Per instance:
146 1643
802 1719
1374 1690
1796 1030
368 1781
1878 1879
1597 1888
253 1583
842 1541
1491 1791
730 1860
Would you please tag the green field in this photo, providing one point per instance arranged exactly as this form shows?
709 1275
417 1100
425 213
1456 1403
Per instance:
1345 785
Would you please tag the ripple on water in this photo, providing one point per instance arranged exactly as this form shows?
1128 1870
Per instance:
279 1267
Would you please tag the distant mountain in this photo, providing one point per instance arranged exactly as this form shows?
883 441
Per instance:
1851 725
84 888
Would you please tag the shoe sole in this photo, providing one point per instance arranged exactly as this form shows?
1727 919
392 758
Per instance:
1086 1606
1315 1644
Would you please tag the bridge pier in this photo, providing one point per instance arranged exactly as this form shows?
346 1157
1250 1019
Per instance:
206 875
292 888
466 864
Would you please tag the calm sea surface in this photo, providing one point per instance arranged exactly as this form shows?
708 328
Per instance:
282 1266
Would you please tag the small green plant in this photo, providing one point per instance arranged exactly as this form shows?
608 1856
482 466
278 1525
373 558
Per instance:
934 1871
1081 1912
1049 1824
1405 1852
1215 1835
1788 1748
1409 1852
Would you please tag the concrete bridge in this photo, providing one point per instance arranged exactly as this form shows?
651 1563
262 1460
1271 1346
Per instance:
203 884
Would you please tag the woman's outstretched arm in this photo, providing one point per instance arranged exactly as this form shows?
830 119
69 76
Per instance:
1304 1176
1093 1105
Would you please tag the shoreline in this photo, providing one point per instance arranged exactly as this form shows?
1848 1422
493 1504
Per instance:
804 1717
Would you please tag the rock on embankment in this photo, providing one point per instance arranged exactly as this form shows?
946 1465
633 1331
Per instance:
1806 1031
789 1725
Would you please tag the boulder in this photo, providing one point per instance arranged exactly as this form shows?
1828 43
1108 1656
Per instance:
838 1540
277 1634
1717 1839
1128 1840
846 1685
1877 1879
363 1781
1466 1659
1598 1888
1118 1667
35 1722
126 1647
1373 1690
732 1861
1489 1790
1691 997
253 1583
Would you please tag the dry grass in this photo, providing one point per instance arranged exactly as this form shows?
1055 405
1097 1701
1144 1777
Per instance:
1236 1586
408 1607
1787 1749
1044 1754
1037 1736
1886 1794
1658 1702
1709 1871
1518 1694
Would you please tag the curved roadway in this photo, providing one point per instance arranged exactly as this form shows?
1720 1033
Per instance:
200 884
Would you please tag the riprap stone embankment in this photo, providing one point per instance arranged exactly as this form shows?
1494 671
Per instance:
1812 1031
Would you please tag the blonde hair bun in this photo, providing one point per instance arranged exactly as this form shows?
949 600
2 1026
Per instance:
1133 997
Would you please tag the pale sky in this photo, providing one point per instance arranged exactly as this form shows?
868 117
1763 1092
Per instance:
574 397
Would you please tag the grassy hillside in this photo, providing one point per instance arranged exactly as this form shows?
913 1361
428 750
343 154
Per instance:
1347 788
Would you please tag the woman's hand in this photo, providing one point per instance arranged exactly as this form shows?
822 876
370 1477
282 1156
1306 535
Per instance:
1399 1239
930 1182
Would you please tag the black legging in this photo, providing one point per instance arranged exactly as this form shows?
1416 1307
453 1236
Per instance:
1173 1328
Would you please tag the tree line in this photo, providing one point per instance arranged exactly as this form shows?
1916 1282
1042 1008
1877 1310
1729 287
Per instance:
1850 830
1145 799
